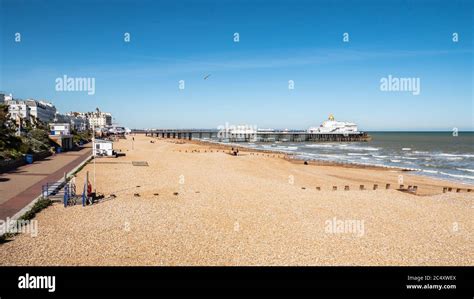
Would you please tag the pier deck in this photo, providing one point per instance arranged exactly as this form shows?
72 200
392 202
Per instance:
259 136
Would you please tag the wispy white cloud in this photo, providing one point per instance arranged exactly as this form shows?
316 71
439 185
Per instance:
147 65
154 66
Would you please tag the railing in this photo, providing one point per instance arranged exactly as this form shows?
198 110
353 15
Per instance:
60 191
51 189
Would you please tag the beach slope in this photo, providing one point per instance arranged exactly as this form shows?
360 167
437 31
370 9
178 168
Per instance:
195 204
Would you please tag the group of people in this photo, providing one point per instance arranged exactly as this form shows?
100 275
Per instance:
235 151
70 189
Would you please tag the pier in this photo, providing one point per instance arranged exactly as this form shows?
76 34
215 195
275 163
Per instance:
258 136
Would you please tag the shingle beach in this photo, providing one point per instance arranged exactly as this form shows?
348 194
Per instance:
194 204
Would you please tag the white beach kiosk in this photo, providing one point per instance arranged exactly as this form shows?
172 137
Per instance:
103 148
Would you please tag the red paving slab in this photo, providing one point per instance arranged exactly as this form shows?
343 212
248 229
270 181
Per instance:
13 205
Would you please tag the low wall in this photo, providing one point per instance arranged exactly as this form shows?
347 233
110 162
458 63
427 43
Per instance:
10 165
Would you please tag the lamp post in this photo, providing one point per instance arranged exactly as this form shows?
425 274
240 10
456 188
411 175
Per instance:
19 125
93 151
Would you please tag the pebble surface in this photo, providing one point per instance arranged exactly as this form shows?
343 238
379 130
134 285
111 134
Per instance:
197 207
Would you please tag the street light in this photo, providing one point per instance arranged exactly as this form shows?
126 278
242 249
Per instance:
93 151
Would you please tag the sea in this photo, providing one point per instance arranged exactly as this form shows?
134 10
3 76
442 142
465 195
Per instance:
435 154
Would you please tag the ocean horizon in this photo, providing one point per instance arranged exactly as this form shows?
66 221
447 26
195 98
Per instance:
435 154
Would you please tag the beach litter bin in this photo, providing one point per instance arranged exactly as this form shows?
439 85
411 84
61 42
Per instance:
29 158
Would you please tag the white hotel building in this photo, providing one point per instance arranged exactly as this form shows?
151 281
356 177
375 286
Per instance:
47 113
18 109
26 109
5 98
99 119
42 110
79 121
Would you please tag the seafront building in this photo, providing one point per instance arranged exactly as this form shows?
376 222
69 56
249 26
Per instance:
7 98
60 133
42 110
99 119
79 121
62 118
47 113
18 110
29 109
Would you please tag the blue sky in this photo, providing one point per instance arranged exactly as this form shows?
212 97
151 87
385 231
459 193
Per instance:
279 41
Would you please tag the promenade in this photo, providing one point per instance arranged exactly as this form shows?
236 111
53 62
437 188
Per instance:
20 186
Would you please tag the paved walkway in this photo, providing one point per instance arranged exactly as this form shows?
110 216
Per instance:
20 186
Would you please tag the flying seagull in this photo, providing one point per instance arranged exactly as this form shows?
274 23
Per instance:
205 78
